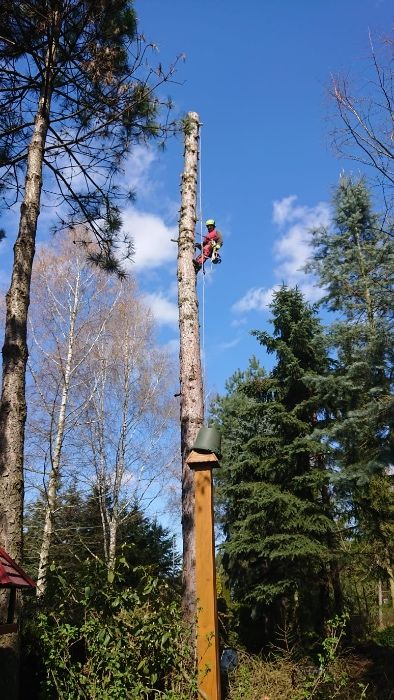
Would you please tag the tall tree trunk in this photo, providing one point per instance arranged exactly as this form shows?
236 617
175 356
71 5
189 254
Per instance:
113 532
53 484
391 582
191 388
336 586
380 605
15 353
334 570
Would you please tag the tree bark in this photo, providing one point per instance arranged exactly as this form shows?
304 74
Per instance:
53 485
15 354
191 388
380 605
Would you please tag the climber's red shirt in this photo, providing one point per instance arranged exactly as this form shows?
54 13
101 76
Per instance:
213 236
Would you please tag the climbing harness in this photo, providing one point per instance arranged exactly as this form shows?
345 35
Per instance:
215 257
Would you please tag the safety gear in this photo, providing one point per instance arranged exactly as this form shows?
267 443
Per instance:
212 241
215 257
210 222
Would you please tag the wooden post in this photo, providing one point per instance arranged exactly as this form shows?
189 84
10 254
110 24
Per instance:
207 620
199 574
191 389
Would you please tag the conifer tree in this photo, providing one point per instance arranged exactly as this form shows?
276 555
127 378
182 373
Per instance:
78 537
277 518
354 263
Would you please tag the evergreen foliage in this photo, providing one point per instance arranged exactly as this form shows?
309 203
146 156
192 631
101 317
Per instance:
78 538
354 263
276 512
82 67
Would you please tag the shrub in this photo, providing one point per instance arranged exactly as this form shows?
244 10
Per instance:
110 642
385 638
285 676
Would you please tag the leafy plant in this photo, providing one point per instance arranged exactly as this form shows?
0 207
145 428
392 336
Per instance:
286 675
108 641
385 638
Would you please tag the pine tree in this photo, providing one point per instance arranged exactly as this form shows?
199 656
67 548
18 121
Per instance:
354 263
277 517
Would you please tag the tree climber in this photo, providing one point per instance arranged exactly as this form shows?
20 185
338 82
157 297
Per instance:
212 241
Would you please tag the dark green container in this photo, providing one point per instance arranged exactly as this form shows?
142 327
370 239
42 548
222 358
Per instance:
208 440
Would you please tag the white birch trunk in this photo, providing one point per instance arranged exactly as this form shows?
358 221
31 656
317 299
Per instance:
191 388
380 605
53 484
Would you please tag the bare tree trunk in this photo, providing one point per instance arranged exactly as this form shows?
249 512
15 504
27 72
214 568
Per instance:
191 389
15 353
391 583
53 484
113 531
380 605
337 587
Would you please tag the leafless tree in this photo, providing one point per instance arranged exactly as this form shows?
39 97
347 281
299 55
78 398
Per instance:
130 423
71 302
365 132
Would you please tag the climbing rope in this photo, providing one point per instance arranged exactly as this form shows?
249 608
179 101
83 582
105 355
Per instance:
203 279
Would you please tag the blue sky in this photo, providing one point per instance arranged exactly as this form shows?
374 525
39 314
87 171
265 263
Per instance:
258 74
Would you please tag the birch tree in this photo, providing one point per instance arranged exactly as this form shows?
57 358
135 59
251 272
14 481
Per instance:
129 430
70 305
77 92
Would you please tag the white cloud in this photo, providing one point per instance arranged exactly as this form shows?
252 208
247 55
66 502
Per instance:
136 170
164 311
229 344
255 299
152 239
290 251
282 209
172 346
238 322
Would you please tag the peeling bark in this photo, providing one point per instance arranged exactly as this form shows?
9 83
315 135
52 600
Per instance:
191 389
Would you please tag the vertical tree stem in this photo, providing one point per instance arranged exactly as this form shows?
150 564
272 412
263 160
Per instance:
191 388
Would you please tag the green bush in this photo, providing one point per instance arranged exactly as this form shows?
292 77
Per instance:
111 642
385 638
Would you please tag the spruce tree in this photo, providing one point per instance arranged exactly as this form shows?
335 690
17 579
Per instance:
354 263
276 511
